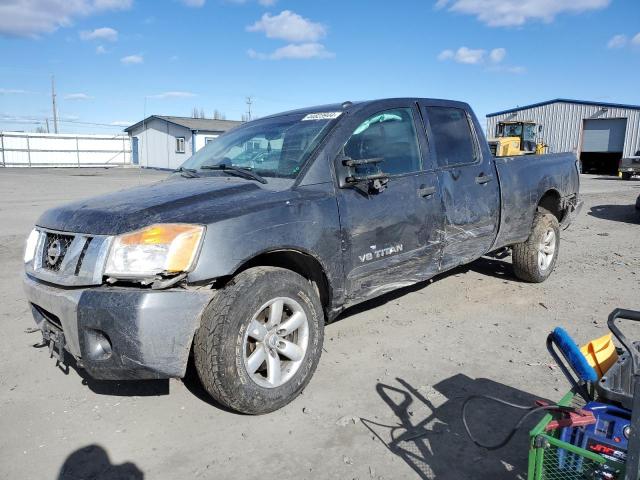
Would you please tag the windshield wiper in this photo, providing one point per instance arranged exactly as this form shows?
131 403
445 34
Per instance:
241 172
187 172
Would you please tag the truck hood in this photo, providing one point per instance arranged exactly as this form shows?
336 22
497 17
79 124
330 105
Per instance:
195 200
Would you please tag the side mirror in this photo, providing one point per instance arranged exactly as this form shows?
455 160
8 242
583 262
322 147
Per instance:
372 180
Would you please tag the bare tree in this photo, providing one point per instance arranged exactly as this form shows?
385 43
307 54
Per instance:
245 117
218 115
197 113
41 129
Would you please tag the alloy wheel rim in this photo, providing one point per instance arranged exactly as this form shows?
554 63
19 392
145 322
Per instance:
547 249
276 341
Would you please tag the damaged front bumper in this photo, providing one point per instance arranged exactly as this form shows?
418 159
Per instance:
120 333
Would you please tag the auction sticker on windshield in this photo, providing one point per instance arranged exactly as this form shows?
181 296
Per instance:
322 116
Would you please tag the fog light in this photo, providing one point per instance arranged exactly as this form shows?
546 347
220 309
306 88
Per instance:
98 345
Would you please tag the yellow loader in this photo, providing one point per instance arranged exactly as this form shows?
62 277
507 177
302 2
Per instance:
516 138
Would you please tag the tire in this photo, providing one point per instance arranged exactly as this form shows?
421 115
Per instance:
527 262
626 176
224 343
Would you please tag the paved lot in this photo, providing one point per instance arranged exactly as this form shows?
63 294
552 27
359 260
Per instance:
385 401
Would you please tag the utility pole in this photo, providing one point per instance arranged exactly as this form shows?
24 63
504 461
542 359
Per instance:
47 120
249 101
53 103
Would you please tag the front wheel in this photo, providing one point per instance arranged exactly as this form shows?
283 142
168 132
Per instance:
260 340
626 175
534 259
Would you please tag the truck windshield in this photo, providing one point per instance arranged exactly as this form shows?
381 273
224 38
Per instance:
272 147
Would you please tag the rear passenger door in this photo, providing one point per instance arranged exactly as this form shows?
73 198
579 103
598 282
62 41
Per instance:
468 182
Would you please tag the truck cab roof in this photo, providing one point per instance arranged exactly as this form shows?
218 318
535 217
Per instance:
354 106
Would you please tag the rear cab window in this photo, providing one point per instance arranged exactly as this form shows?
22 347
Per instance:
453 136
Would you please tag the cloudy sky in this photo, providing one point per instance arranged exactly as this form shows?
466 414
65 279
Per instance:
110 58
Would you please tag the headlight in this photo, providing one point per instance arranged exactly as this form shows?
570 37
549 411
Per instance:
30 248
168 248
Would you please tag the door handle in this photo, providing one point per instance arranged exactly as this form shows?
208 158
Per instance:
426 192
482 179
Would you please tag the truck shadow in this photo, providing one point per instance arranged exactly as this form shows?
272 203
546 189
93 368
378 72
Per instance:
93 461
616 213
120 388
436 446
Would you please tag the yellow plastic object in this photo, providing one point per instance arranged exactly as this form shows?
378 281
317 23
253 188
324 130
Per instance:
600 353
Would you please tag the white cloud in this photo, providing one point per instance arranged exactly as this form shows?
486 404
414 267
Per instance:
194 3
509 13
173 94
479 56
121 123
289 26
516 70
446 54
497 55
105 33
636 39
31 18
78 96
303 51
12 91
466 55
132 59
100 50
617 41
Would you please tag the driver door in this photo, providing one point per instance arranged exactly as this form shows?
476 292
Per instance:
390 236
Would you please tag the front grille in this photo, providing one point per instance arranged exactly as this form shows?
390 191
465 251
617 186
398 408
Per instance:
54 249
70 259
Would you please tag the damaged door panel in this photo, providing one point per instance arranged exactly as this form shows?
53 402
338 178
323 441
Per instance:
468 182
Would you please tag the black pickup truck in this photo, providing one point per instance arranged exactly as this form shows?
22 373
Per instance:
244 253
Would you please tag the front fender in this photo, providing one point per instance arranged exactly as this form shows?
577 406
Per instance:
307 222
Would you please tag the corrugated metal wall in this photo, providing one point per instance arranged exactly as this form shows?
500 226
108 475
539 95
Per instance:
562 124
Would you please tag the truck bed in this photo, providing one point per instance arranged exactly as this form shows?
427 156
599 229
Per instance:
524 180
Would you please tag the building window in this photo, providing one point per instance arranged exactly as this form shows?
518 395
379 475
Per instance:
180 144
208 140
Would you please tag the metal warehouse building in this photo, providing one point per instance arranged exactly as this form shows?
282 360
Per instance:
600 133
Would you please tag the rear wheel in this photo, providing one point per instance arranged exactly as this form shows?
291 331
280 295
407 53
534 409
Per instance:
626 175
535 259
260 340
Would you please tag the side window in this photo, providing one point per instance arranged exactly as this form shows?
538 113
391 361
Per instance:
389 135
452 136
179 144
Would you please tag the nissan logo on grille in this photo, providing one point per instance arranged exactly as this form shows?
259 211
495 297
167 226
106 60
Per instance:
54 252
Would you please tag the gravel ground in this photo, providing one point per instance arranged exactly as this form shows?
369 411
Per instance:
385 400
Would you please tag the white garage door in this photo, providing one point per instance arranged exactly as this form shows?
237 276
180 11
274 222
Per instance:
604 135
